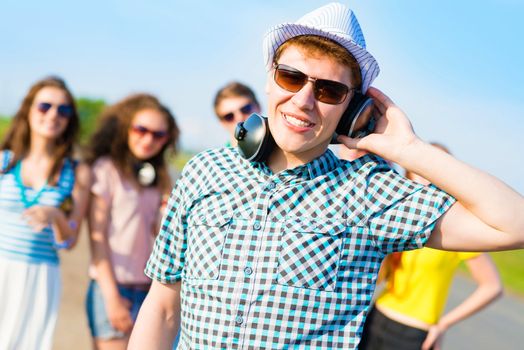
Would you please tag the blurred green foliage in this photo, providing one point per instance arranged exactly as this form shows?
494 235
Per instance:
4 124
181 159
511 268
88 111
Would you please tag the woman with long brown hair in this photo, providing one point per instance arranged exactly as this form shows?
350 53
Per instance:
43 198
130 187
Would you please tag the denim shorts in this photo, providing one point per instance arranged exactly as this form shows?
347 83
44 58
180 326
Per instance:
97 317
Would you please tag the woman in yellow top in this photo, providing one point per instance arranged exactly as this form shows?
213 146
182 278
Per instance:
408 313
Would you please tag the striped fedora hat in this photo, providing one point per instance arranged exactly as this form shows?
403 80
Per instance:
333 21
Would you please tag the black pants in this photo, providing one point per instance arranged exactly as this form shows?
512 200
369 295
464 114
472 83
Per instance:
382 333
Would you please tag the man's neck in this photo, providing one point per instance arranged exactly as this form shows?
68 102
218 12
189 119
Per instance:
233 142
279 160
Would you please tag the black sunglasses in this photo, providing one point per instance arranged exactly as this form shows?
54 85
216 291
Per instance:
64 111
327 91
142 131
247 109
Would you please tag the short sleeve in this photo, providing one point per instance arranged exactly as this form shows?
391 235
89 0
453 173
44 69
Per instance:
167 259
103 179
402 213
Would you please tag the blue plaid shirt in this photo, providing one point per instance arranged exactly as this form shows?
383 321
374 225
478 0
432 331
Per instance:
287 260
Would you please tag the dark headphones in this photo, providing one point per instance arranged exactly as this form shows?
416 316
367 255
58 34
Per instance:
145 173
358 120
255 142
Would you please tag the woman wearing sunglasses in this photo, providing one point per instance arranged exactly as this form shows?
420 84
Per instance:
43 198
130 186
233 104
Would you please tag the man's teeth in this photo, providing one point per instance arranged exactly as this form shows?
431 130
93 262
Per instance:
297 122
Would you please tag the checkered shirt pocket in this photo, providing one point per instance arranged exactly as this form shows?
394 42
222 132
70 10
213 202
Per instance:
206 235
310 254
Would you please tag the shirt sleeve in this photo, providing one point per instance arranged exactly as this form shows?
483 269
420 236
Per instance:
402 213
166 262
103 178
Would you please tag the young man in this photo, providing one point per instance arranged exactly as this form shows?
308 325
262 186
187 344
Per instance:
284 253
233 104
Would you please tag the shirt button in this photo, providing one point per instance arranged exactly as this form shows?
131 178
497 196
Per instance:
248 271
257 226
271 186
239 320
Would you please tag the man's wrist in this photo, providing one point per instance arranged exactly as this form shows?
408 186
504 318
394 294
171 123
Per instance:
411 154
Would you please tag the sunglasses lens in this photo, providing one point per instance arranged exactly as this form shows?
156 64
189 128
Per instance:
228 117
326 91
247 109
159 134
65 111
139 129
43 107
330 92
142 131
289 79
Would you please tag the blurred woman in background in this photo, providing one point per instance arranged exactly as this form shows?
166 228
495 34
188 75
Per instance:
44 195
408 314
130 189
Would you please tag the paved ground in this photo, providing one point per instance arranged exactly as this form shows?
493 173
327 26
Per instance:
72 331
499 327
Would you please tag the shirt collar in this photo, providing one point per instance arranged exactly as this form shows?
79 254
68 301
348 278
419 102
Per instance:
324 164
318 166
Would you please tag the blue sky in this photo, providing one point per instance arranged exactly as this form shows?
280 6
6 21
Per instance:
455 67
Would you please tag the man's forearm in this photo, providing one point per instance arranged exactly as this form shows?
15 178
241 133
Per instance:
488 198
159 319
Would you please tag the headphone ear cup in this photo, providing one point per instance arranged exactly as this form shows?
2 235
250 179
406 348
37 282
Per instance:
358 119
266 145
254 139
145 173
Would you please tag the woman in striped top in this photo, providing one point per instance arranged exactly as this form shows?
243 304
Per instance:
43 197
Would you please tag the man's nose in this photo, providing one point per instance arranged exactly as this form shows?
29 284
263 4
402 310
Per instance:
305 97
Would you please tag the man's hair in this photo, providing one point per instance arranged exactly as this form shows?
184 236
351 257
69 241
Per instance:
234 89
319 46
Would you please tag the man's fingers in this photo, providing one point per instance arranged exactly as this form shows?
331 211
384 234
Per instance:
380 96
347 141
382 101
